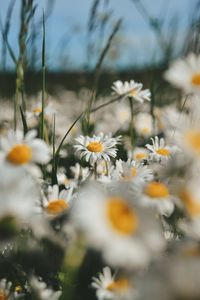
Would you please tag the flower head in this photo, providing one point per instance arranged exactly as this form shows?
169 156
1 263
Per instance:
131 89
109 287
184 73
95 148
114 224
160 151
19 150
57 202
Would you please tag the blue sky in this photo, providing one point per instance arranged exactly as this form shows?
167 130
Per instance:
67 26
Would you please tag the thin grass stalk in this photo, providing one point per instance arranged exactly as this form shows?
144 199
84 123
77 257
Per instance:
54 173
42 123
131 129
56 156
98 69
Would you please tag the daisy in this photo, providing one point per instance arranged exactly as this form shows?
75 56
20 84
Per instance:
57 202
189 197
184 73
5 290
19 193
132 170
174 277
131 89
41 292
187 134
95 148
154 194
108 287
160 151
144 124
18 150
113 223
36 110
139 154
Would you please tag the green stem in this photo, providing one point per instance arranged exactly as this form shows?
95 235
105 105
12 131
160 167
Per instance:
131 121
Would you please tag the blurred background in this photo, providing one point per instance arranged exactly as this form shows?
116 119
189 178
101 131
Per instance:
149 35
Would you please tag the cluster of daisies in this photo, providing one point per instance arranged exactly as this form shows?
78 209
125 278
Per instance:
121 209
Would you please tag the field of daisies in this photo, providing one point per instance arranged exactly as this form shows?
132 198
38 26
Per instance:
100 192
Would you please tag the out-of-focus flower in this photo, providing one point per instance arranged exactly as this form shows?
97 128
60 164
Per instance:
18 193
131 89
189 196
187 134
154 194
40 290
160 151
95 148
185 74
174 277
109 287
144 124
112 221
57 202
36 110
132 170
5 290
139 154
20 151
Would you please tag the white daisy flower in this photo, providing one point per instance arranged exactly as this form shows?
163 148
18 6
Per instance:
36 110
189 196
154 194
95 148
18 193
109 287
127 235
176 276
139 154
187 134
132 170
57 202
131 89
18 150
160 151
41 292
5 290
184 73
143 123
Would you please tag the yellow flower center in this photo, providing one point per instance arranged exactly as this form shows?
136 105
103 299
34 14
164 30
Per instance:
193 251
134 172
191 204
3 295
37 110
122 218
18 289
118 285
193 140
132 93
196 79
145 130
20 154
163 152
95 147
156 190
56 206
141 156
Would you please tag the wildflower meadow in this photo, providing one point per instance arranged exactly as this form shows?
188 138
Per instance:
99 184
